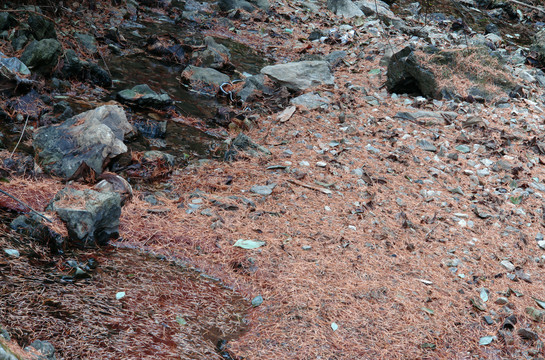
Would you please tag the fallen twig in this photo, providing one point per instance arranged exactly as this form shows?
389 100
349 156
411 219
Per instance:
325 191
24 204
528 5
20 137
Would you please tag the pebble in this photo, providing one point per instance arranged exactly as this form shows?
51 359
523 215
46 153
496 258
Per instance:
541 244
508 265
501 301
12 252
306 247
264 190
321 164
258 300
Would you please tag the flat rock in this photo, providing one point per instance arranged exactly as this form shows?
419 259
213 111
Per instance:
143 95
264 190
310 100
300 75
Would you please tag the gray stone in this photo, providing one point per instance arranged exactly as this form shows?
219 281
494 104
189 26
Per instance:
252 85
243 142
310 100
258 300
538 44
249 6
344 8
41 27
508 265
154 156
501 301
75 67
264 190
300 75
463 148
42 56
45 348
426 145
215 55
88 42
93 137
407 75
335 57
206 81
372 7
91 217
11 70
143 95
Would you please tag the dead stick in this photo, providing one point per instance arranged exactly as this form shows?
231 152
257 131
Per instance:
528 5
24 204
325 191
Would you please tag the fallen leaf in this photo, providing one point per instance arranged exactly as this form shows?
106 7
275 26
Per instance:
286 114
541 303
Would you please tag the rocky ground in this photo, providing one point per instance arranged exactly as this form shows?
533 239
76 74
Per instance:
297 180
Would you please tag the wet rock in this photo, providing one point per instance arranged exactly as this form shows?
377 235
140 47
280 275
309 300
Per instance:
91 217
206 81
84 70
344 8
41 28
252 86
92 138
6 21
406 74
87 42
215 55
143 95
12 71
300 75
42 56
310 101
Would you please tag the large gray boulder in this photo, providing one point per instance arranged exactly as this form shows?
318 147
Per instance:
91 217
93 137
204 80
300 75
42 56
406 74
344 8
